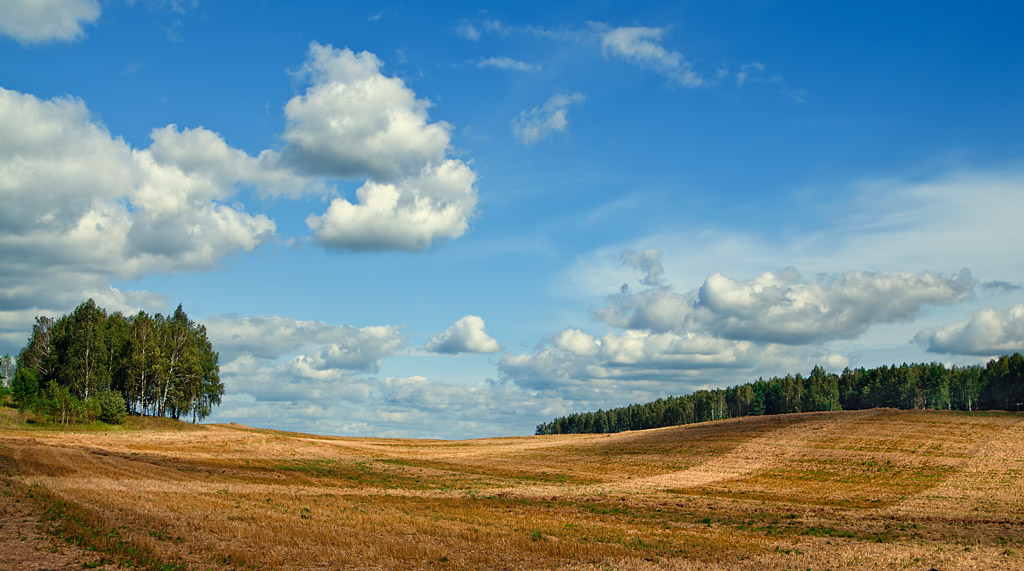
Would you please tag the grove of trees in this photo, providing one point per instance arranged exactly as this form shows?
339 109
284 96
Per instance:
89 365
997 385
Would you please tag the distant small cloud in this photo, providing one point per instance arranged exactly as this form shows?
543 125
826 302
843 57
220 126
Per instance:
535 124
474 30
745 71
467 335
174 32
1000 287
797 95
182 6
754 73
508 63
648 262
467 31
374 17
131 68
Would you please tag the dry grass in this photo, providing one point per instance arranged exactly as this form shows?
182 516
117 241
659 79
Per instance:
865 489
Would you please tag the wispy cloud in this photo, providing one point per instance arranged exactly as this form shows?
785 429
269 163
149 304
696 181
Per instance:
746 70
534 124
475 29
642 47
508 63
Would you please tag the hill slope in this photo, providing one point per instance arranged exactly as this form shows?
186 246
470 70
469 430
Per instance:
820 490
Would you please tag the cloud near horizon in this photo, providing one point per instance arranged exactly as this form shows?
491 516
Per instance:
987 333
776 323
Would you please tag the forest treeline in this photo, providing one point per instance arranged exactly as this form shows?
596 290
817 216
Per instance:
997 385
90 365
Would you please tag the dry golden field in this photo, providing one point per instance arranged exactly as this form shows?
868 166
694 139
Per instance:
878 489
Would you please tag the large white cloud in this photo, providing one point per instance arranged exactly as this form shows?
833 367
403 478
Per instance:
205 153
410 214
537 123
781 307
355 121
38 21
988 332
320 344
467 335
357 349
82 207
656 309
784 309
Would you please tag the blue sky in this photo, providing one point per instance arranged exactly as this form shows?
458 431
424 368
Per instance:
460 221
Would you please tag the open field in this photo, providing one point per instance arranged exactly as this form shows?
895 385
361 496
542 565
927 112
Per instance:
879 488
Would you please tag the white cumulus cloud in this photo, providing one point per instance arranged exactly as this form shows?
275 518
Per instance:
410 214
537 123
205 153
467 335
82 207
724 332
355 121
274 337
988 332
784 309
38 21
656 309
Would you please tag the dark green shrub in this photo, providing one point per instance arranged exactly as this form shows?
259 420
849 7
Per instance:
112 407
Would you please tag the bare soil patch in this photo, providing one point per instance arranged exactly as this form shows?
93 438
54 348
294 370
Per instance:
27 543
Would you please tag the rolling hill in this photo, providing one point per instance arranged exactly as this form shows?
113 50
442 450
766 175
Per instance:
878 488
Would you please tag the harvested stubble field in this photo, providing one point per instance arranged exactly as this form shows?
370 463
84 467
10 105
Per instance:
847 490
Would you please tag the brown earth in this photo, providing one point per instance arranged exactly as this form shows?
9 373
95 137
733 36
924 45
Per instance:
851 490
27 543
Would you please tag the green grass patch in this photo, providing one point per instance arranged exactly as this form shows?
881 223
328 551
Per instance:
74 525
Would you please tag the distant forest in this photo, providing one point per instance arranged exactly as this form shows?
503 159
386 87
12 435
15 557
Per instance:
997 385
89 365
